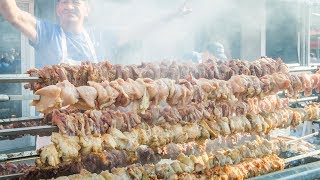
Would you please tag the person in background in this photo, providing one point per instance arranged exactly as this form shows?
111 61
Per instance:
66 42
313 58
215 49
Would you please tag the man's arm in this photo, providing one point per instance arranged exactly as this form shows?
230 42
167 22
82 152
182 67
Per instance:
23 21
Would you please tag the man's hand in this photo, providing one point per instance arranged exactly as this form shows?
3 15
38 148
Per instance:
23 21
185 9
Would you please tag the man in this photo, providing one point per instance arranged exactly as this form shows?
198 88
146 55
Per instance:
217 50
66 42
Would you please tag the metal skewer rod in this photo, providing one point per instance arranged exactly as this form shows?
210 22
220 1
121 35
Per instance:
17 78
4 97
303 137
302 69
15 156
294 101
23 159
11 176
28 130
21 119
302 156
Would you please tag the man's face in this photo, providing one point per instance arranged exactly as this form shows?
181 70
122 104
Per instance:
72 11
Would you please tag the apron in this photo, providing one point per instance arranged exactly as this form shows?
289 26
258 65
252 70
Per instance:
67 60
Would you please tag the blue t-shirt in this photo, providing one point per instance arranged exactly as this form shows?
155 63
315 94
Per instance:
48 45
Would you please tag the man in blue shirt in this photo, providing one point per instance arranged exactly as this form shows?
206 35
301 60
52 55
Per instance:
66 42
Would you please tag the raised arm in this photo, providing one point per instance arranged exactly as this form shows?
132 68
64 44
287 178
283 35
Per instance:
23 21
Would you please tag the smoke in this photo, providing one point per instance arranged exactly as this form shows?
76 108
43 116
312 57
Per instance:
132 31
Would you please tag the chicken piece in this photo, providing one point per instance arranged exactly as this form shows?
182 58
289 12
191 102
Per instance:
224 126
120 173
187 93
81 123
88 94
282 80
204 125
176 167
254 146
68 146
178 93
152 88
246 152
145 102
307 83
123 98
254 106
150 171
132 88
234 172
239 84
144 135
103 99
257 85
49 99
135 171
163 91
164 171
111 96
186 163
256 122
204 88
156 137
221 158
69 93
246 123
296 85
133 138
120 139
171 86
60 119
236 125
315 80
265 146
108 142
193 131
199 164
214 126
107 175
48 156
82 105
85 175
235 155
90 144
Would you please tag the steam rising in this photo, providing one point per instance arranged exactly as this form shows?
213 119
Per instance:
132 31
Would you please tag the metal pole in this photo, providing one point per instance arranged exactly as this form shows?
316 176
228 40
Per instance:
318 48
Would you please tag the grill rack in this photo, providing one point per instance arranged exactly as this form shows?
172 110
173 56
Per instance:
31 155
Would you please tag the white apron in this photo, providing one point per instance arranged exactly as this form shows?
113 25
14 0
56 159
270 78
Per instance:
67 60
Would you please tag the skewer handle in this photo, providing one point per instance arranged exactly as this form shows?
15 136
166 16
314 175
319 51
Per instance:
303 137
302 156
4 97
